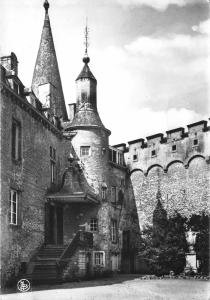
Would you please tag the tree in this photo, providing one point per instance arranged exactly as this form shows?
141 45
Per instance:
176 244
163 245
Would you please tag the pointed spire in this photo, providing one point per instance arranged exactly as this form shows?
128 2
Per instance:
46 72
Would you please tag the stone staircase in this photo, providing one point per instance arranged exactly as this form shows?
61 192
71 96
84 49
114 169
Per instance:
43 267
51 260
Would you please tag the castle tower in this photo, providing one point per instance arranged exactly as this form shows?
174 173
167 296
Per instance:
91 140
46 82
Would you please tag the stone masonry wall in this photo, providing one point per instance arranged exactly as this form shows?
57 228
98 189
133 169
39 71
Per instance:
98 170
182 175
30 177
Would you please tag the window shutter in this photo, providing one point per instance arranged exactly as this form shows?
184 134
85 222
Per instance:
19 142
13 139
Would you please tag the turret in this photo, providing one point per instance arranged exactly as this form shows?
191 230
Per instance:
46 82
91 141
86 97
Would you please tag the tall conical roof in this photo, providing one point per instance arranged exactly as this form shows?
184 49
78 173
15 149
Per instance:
46 69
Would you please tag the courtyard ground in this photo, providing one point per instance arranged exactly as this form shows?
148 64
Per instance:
121 287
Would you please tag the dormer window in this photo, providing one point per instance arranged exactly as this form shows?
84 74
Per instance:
153 153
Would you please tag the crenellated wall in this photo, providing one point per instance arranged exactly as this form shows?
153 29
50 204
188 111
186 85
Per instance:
179 164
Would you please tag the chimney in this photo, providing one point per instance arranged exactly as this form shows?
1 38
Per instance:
10 63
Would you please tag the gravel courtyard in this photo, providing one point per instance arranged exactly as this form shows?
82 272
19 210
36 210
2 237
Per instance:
121 287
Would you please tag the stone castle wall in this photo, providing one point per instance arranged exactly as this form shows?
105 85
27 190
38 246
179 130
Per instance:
181 172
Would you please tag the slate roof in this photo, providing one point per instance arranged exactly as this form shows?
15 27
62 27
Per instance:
86 73
46 68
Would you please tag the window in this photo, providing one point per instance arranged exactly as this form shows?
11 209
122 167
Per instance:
195 142
114 194
93 224
99 258
135 157
122 182
84 151
103 193
116 156
114 231
52 164
15 87
173 148
13 207
16 140
52 171
153 153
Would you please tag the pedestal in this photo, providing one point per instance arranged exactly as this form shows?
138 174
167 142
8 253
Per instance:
191 263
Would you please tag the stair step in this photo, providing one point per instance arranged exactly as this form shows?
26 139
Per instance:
45 261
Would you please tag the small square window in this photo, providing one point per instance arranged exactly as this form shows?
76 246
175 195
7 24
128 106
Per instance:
135 157
84 151
195 142
173 148
94 224
153 153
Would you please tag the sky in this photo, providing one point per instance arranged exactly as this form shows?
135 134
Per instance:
150 57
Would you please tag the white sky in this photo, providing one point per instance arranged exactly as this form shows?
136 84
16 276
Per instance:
150 57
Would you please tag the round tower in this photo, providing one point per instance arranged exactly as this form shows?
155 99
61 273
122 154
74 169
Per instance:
91 141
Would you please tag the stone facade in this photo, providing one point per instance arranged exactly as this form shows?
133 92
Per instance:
50 189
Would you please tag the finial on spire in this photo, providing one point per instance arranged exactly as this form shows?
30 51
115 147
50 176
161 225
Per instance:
46 6
86 58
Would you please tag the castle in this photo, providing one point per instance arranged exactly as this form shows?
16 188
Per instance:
72 205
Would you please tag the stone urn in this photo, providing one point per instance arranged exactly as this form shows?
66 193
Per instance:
191 260
191 239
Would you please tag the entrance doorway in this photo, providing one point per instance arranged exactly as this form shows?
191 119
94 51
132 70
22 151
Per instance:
54 224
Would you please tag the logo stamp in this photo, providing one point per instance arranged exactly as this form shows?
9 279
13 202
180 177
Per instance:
23 285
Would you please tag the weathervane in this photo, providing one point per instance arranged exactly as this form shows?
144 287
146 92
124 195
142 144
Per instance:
86 42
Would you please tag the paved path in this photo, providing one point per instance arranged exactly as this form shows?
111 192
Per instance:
120 288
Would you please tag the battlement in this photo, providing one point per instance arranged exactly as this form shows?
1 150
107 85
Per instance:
170 136
164 149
